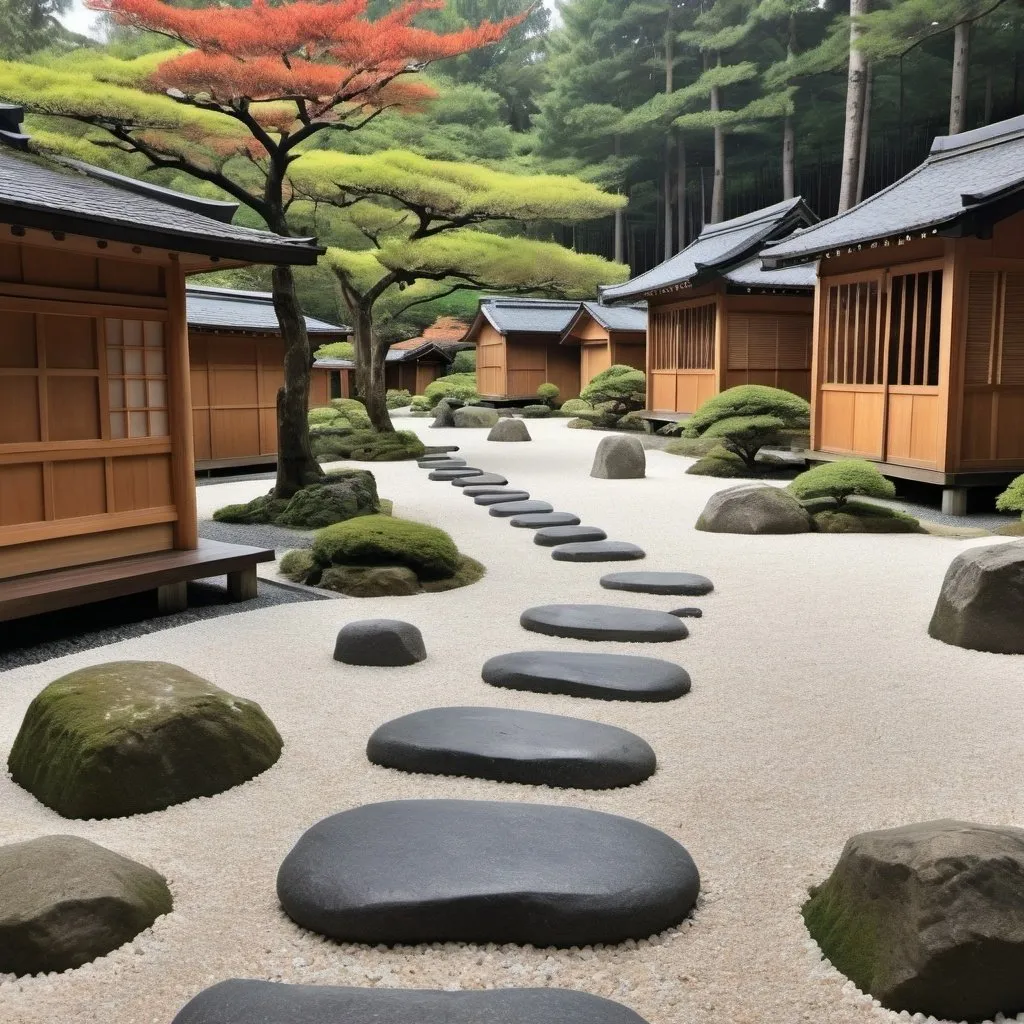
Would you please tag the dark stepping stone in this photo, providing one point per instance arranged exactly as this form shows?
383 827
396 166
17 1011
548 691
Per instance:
603 622
550 536
687 613
484 479
513 746
535 520
577 674
501 497
515 508
442 463
474 490
686 583
245 1001
597 551
439 449
412 871
454 474
385 642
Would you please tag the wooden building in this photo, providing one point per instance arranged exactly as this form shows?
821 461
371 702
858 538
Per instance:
517 349
919 324
428 356
236 354
607 336
716 318
97 489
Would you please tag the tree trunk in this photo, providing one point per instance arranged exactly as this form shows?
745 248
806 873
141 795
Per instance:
718 189
681 190
370 362
666 188
958 89
989 88
788 159
865 129
856 82
296 467
620 215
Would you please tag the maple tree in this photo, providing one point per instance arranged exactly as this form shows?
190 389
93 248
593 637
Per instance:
232 103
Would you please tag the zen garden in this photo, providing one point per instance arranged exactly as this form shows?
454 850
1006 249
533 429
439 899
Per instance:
511 512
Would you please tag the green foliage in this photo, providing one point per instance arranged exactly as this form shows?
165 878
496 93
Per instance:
420 403
721 462
575 407
841 480
353 410
336 350
535 412
366 445
386 540
398 398
323 414
1012 499
468 571
461 386
548 393
862 517
464 361
692 447
616 391
296 565
580 424
342 495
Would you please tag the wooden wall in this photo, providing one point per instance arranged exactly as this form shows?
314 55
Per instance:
515 367
95 438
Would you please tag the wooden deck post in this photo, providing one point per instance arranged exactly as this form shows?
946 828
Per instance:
172 597
186 528
242 585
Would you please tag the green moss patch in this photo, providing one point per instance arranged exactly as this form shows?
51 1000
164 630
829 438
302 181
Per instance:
366 446
468 571
387 540
862 517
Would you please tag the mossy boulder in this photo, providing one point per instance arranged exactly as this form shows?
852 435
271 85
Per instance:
366 446
128 737
580 424
753 509
694 447
341 495
468 571
535 412
65 901
863 517
461 386
296 565
720 462
387 540
477 416
370 580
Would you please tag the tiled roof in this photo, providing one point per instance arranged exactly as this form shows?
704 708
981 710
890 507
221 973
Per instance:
226 309
753 274
528 316
953 190
618 318
718 249
394 355
71 197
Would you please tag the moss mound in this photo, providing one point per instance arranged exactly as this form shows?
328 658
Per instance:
468 571
461 386
353 410
398 398
366 446
575 407
296 565
721 462
692 447
370 580
535 412
863 517
580 424
129 737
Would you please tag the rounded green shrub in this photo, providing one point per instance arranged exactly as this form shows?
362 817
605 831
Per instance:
456 385
353 410
616 391
720 462
548 393
841 480
322 415
535 412
464 361
580 424
575 407
296 565
1012 499
387 540
398 398
336 350
419 403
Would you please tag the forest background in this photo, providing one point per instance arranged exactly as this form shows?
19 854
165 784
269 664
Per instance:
695 110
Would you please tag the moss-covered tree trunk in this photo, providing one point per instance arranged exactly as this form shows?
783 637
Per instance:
296 466
370 357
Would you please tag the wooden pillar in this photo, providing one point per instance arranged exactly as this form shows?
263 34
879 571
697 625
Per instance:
183 473
949 417
721 339
819 339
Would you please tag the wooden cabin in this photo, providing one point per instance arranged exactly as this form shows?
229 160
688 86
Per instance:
97 488
607 336
236 354
716 318
412 369
517 349
919 324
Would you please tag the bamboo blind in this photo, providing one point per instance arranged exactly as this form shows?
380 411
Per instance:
915 319
854 329
683 339
769 341
995 328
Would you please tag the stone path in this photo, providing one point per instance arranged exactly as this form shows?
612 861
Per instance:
598 551
538 520
686 583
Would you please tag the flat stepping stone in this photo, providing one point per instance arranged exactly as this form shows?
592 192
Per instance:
475 490
245 1001
454 474
598 551
603 622
442 463
412 871
687 613
501 497
535 520
484 479
579 674
439 449
515 508
551 536
513 746
685 583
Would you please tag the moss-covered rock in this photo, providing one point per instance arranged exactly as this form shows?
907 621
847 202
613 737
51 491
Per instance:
469 571
370 580
461 386
296 565
720 462
535 412
580 424
341 495
477 416
128 737
863 517
387 540
367 446
264 509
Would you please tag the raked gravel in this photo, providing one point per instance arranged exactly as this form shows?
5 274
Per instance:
820 708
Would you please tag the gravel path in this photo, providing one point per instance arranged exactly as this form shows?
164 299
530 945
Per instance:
820 708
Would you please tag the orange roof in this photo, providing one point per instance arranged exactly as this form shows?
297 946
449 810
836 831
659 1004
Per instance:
445 330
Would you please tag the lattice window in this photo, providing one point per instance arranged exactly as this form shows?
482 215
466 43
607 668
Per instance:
769 341
1011 362
664 339
854 314
683 339
995 328
915 321
137 378
981 321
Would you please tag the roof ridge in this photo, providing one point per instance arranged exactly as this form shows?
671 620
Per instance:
945 146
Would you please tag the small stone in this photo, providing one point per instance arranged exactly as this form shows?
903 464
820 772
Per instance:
536 520
500 496
65 901
383 642
603 622
597 551
509 430
475 416
483 480
687 584
687 613
754 508
551 536
455 473
514 508
619 458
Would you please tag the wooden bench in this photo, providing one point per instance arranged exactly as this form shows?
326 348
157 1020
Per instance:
166 572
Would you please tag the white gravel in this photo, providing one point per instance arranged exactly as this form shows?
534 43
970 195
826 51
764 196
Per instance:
820 708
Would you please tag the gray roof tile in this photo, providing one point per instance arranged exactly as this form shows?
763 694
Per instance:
227 309
961 176
618 318
528 316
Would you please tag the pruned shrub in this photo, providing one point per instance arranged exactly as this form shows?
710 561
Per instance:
419 403
747 418
1012 499
535 412
548 393
575 407
580 424
720 462
366 446
616 391
464 361
336 350
398 398
841 480
322 415
353 410
456 385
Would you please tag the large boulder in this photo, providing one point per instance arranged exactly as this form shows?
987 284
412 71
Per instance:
65 901
128 737
619 458
753 508
344 496
370 580
475 416
443 412
928 918
981 603
509 429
